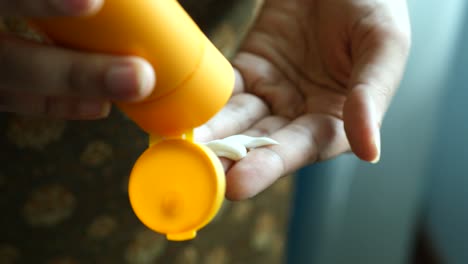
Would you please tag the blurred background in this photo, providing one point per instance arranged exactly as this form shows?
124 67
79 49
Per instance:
63 184
413 206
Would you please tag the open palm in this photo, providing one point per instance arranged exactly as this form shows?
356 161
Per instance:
317 76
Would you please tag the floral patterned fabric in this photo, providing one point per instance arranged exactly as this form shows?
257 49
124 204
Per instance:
64 195
64 200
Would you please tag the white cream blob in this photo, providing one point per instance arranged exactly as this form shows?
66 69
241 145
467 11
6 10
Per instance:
236 147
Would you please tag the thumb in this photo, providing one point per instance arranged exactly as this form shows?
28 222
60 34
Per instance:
380 61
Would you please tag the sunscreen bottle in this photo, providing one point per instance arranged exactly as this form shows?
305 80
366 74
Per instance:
176 186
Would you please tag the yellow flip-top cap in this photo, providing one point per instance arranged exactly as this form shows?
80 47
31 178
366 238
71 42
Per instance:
176 187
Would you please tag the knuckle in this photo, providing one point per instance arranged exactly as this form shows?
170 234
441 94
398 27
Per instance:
79 79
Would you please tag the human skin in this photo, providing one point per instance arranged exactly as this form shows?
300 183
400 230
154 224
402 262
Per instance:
317 76
45 80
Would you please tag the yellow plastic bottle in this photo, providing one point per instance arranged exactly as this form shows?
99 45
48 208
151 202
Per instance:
176 186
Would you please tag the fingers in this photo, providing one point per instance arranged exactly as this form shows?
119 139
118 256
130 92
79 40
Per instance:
50 71
263 79
308 139
55 107
241 112
42 8
264 128
267 126
362 123
380 61
239 84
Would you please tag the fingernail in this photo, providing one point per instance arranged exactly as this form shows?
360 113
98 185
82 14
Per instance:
91 109
130 81
377 146
77 7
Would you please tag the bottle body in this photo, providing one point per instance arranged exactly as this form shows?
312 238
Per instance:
176 186
194 80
